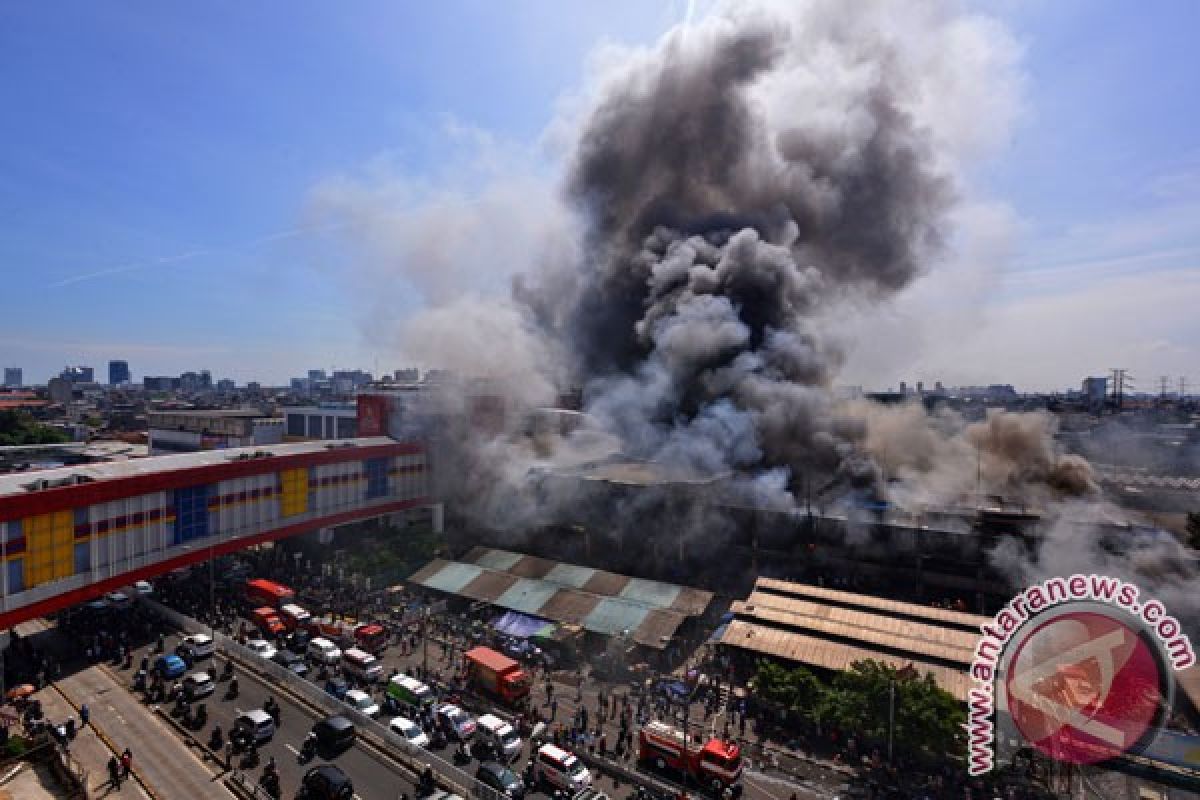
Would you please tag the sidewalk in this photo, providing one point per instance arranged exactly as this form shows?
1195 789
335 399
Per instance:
88 749
162 763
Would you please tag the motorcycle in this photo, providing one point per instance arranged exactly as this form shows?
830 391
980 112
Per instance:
308 750
139 681
250 758
201 718
216 741
188 718
272 708
270 784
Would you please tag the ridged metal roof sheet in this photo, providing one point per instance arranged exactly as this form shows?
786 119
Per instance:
612 616
452 577
895 607
569 575
527 596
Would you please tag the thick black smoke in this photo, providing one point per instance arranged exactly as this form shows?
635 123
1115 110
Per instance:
714 237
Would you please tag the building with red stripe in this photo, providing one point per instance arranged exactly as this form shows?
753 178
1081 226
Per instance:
70 534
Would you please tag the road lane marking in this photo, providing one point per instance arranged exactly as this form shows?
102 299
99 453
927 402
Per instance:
294 751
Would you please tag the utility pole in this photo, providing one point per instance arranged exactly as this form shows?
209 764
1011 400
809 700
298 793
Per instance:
1121 380
1162 386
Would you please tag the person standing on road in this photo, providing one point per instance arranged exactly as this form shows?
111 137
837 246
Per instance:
114 773
84 715
126 763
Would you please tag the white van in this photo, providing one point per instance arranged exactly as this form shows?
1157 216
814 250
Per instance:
323 651
362 665
557 767
258 723
499 735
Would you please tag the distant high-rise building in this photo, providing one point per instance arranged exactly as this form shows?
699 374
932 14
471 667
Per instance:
920 387
226 385
160 383
206 381
903 388
315 375
59 390
410 375
118 373
13 376
78 374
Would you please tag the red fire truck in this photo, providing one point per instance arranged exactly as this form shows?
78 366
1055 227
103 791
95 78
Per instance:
371 637
715 764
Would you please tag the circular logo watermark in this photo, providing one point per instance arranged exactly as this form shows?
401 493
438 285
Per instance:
1083 685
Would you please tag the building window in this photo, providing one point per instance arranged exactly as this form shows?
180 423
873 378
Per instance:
83 557
16 575
12 531
375 470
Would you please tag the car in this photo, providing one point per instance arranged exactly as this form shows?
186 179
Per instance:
323 651
362 702
297 641
201 644
289 660
337 687
501 778
334 733
258 722
261 648
325 782
118 600
561 769
169 666
457 724
198 684
409 731
143 587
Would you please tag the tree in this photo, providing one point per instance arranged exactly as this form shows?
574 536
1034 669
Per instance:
928 719
19 428
793 688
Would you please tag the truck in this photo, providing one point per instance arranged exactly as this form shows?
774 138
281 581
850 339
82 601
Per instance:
371 637
268 621
336 629
716 764
497 675
262 592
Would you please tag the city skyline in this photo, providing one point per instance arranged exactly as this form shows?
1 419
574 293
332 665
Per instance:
1075 252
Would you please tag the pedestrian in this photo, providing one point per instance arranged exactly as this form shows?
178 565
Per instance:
126 762
553 708
114 773
84 715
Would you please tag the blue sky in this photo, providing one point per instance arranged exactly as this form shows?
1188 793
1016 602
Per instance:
159 161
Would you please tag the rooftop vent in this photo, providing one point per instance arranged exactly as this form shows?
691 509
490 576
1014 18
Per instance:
54 483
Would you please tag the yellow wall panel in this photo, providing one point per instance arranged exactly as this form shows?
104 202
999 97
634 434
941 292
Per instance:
49 547
294 496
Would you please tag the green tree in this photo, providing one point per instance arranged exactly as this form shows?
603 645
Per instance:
928 719
793 688
19 428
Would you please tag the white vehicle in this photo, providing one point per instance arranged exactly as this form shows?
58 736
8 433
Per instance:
410 730
201 644
258 723
362 665
261 648
323 651
118 600
143 587
557 767
500 736
197 685
361 701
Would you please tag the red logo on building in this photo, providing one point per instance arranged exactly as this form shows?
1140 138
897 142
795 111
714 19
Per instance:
1084 687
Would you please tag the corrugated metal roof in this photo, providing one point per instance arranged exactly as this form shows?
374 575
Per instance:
869 633
921 631
612 616
495 559
824 654
652 593
651 611
942 615
452 577
489 585
570 606
569 575
527 596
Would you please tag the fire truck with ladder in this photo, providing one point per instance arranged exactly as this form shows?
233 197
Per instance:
714 764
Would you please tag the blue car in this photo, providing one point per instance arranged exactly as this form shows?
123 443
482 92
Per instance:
170 666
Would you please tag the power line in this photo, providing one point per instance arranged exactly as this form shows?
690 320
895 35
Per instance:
1121 380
